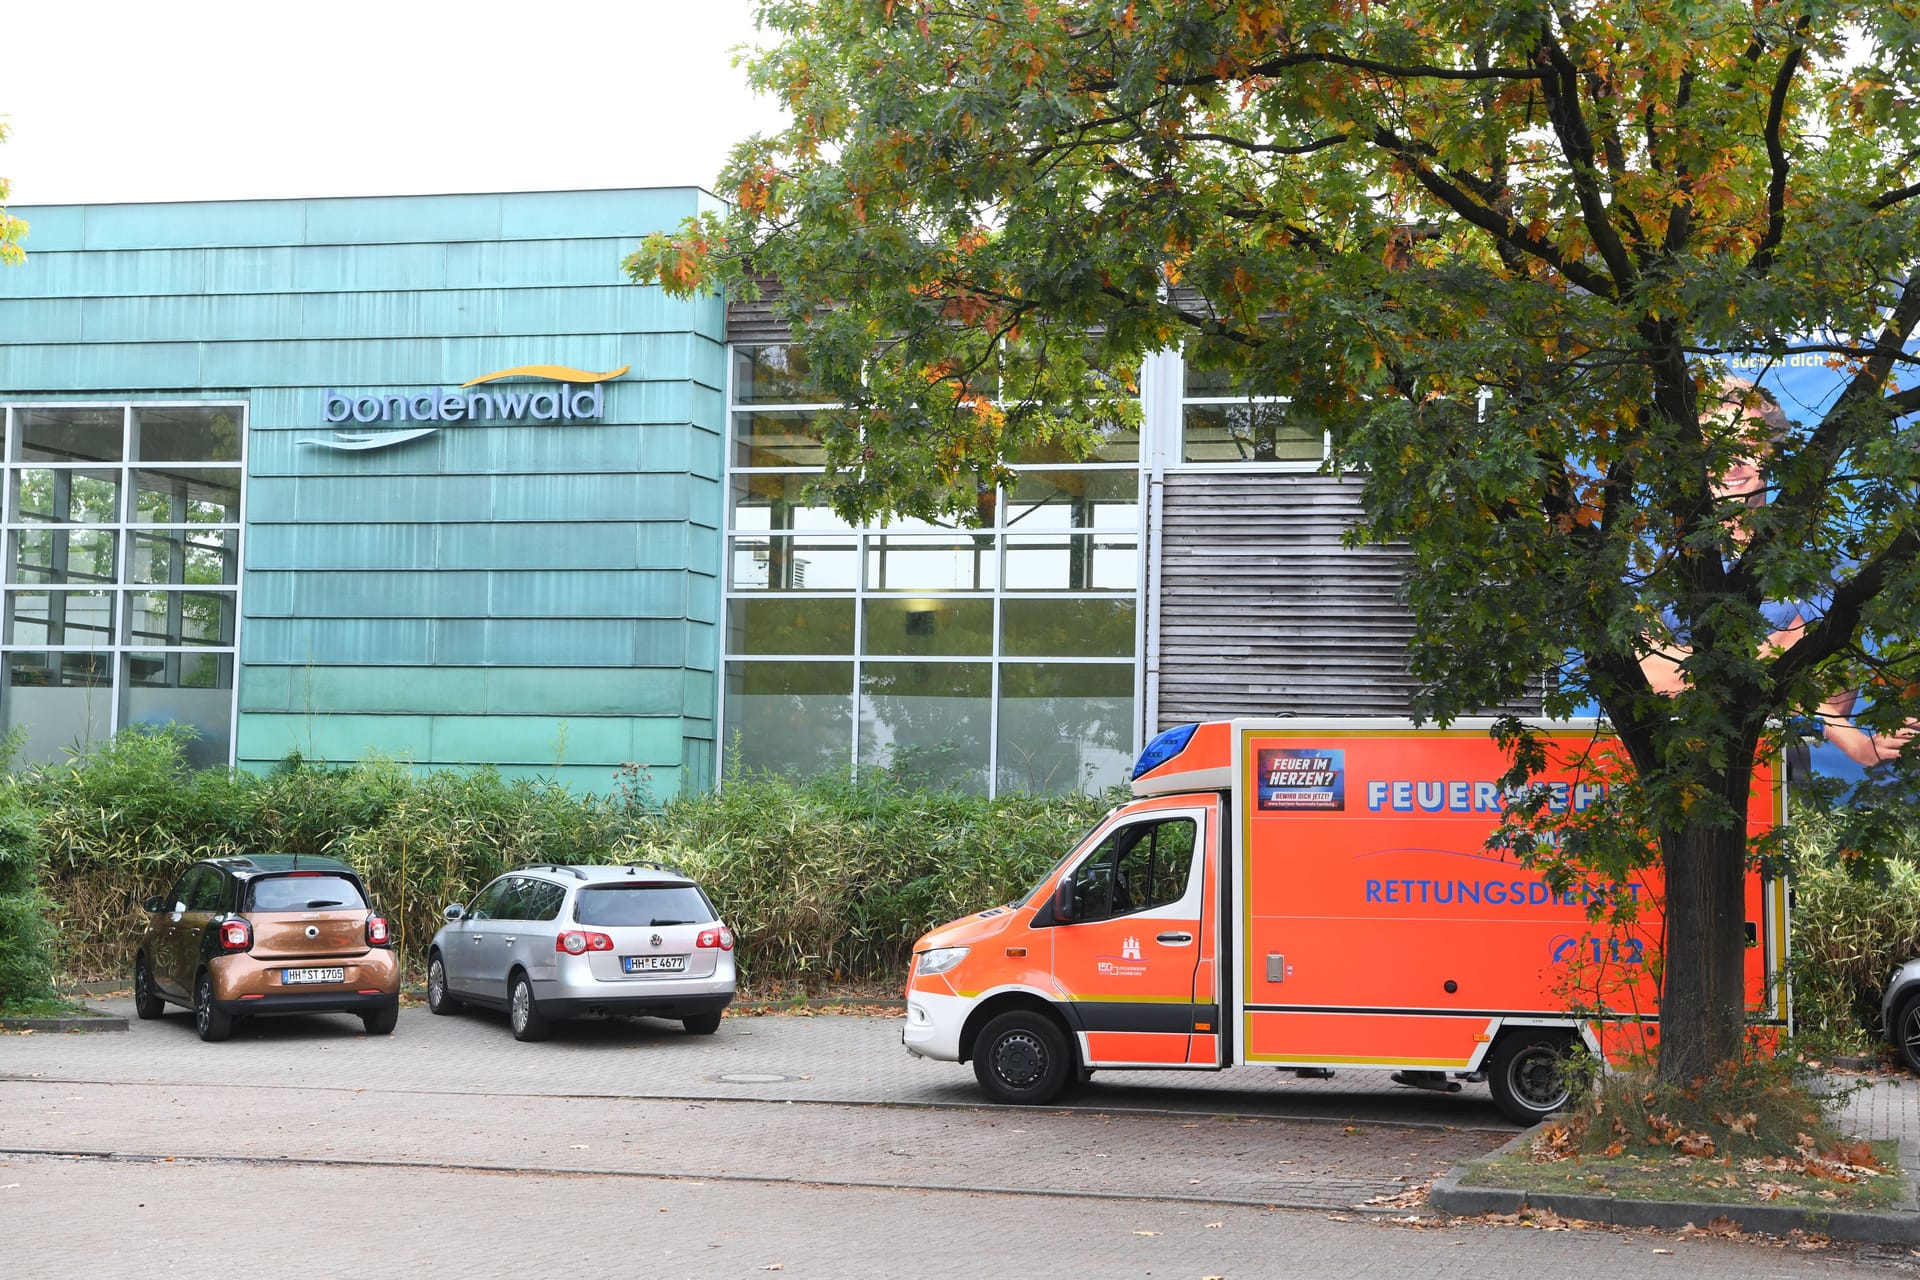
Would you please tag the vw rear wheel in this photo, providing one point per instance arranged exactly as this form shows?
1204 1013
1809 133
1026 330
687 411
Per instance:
701 1024
1022 1058
523 1015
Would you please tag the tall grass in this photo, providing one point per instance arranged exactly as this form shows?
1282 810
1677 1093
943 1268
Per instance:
824 880
1856 916
831 879
26 957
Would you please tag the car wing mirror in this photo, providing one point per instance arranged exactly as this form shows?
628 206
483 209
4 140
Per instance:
1066 901
455 912
155 903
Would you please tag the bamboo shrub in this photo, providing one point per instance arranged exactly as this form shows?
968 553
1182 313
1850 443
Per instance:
826 880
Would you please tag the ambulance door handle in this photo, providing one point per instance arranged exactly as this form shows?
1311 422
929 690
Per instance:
1175 939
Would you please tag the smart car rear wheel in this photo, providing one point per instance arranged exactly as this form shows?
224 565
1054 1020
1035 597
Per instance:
207 1020
1022 1057
522 1013
147 1003
381 1022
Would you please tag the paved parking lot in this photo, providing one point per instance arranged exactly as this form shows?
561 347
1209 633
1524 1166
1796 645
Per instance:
780 1139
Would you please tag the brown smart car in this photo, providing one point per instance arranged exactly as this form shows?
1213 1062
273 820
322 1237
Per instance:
266 934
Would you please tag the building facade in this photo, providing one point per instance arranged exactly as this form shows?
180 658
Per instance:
426 477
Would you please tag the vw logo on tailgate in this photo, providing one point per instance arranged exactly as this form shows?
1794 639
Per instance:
656 939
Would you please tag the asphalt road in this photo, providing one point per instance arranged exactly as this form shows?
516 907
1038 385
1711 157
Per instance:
807 1145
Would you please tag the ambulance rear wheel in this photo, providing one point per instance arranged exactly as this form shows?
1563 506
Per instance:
1528 1072
1022 1058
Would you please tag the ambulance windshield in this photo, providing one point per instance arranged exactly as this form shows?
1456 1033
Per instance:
1072 851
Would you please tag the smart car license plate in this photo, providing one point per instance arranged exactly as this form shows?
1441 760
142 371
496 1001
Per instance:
295 977
654 964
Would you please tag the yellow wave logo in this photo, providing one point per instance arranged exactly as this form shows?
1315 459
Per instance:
577 398
551 372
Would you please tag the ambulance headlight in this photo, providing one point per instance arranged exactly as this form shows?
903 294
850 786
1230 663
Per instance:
938 960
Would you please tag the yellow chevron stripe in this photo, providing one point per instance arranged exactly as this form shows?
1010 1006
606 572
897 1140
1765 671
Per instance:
551 372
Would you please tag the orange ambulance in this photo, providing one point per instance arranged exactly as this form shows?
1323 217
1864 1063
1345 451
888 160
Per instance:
1312 894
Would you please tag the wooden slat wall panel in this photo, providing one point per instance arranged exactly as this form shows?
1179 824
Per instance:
752 320
1264 612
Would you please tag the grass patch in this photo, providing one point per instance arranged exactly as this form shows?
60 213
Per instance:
1754 1132
46 1007
1806 1182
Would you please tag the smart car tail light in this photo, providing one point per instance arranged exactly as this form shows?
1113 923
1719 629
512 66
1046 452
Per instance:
574 942
709 939
378 932
235 935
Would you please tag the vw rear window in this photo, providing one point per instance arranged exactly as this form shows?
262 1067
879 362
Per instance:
304 891
642 905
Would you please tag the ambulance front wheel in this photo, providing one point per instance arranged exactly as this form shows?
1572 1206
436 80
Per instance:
1022 1058
1528 1072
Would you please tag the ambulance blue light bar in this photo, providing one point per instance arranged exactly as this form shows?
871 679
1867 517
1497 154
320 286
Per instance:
1164 747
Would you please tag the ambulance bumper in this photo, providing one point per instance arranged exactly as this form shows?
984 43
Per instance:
933 1025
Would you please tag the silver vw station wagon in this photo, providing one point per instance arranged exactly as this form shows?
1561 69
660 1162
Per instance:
549 942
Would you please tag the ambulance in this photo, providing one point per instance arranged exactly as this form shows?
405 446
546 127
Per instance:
1319 894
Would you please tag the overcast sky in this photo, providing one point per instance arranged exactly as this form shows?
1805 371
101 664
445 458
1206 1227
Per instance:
222 99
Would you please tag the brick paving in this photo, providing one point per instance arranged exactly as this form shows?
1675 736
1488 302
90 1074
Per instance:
814 1138
101 1220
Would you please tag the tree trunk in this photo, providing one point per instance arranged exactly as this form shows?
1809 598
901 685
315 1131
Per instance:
1703 998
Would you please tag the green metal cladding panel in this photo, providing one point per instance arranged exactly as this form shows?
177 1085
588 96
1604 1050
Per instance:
494 691
537 596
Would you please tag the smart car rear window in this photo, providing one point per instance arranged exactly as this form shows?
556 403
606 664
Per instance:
304 891
644 905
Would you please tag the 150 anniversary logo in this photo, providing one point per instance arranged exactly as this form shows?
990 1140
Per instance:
576 398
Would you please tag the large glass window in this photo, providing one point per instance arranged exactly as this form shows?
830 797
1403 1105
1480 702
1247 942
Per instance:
790 717
929 719
1222 421
998 658
122 570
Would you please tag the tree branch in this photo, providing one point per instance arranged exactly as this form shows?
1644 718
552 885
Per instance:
1836 627
1762 260
1269 148
1500 227
1892 198
1562 91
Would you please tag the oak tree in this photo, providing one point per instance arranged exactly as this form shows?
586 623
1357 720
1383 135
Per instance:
1522 259
11 228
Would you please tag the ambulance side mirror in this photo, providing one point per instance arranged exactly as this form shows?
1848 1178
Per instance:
1066 900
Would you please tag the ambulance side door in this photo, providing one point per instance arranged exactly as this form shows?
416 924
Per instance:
1126 953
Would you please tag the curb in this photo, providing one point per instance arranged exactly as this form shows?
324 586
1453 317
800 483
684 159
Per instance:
96 1020
1901 1226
